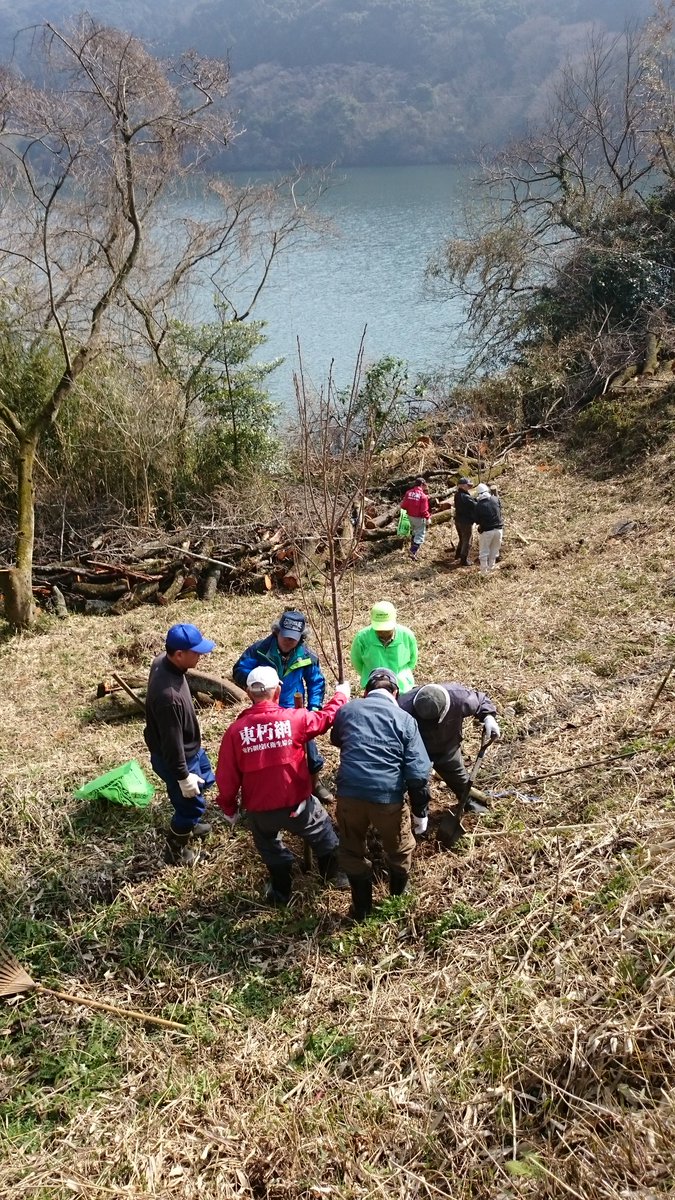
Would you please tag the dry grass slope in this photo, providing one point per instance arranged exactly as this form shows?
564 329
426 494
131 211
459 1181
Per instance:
505 1032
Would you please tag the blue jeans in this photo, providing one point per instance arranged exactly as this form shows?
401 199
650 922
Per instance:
186 812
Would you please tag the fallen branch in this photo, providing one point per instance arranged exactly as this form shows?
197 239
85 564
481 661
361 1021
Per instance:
213 685
661 686
596 762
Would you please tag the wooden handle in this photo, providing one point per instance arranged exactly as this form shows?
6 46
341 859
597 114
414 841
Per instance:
129 691
112 1008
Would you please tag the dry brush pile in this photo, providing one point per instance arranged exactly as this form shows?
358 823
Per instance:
504 1032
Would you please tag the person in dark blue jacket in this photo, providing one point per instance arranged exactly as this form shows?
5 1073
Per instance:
382 756
298 668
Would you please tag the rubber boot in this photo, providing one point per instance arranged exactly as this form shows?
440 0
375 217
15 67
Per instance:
322 794
201 829
362 896
178 851
330 872
278 890
398 882
478 803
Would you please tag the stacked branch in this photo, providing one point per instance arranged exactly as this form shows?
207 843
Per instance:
320 534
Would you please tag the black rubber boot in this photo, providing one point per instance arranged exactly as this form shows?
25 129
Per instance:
362 896
330 872
278 890
178 851
398 882
201 829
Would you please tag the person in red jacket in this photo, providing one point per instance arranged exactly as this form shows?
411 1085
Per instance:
416 504
263 755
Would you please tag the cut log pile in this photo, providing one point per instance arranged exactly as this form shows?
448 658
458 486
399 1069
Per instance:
110 579
122 570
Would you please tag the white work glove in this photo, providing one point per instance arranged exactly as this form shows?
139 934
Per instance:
344 688
231 820
190 787
420 825
491 729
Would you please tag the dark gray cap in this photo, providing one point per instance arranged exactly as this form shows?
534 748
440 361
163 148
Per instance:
431 702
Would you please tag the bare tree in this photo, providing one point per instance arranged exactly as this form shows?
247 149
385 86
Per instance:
339 435
98 241
660 83
554 189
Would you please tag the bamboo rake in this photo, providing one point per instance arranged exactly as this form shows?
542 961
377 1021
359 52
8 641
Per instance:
14 979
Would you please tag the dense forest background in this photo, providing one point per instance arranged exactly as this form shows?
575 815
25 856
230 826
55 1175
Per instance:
364 82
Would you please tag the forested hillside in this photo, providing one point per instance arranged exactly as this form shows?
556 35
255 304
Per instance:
366 81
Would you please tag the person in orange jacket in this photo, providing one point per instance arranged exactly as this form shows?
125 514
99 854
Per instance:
263 755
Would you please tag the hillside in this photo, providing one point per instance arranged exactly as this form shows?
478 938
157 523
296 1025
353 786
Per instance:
505 1031
365 82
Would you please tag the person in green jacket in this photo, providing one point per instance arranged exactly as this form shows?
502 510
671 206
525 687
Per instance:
383 643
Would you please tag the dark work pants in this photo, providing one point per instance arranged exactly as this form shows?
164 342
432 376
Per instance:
464 531
392 822
315 760
452 771
187 813
313 825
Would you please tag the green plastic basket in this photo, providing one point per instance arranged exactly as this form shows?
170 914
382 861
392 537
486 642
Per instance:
125 785
404 526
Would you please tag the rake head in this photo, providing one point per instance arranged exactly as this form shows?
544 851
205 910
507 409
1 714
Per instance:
13 978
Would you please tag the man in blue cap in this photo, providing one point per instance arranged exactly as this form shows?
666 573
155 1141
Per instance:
300 674
173 738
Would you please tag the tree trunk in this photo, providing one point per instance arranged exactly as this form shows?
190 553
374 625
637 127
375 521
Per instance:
650 363
18 595
18 586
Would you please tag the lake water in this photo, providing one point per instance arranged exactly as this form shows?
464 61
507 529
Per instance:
370 271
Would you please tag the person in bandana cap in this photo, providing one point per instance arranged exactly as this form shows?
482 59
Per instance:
440 710
173 738
262 756
384 643
286 650
490 527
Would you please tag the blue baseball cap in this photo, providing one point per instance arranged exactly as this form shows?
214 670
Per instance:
188 637
291 624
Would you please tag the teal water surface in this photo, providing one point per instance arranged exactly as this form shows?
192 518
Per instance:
369 271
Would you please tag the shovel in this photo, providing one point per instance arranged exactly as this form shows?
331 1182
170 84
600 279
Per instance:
450 829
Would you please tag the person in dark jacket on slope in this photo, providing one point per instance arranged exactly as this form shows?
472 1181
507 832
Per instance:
490 528
465 516
173 738
440 710
381 756
298 668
